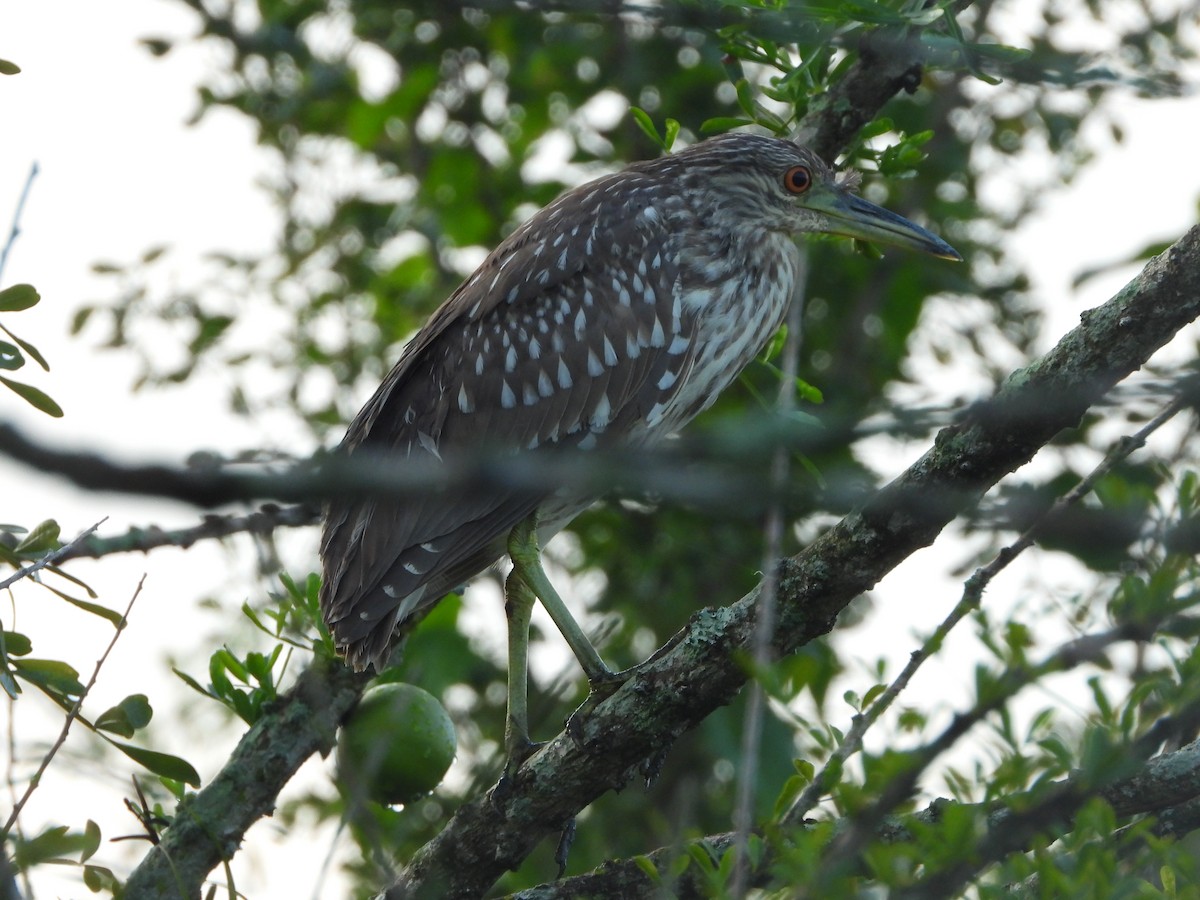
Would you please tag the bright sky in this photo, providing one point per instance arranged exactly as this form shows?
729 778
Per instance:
120 173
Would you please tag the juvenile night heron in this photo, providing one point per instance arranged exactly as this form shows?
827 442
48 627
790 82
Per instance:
613 316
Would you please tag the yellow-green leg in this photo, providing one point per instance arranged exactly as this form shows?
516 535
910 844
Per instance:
518 606
526 583
527 565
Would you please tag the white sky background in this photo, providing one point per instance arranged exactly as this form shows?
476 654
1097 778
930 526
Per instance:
120 172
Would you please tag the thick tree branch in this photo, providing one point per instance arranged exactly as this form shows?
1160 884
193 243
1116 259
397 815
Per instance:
209 826
700 671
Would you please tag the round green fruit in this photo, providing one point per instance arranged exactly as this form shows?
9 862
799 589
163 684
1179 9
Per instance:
396 745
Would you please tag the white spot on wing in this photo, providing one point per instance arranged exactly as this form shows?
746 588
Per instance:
610 353
426 440
602 414
564 375
594 366
507 398
657 338
464 400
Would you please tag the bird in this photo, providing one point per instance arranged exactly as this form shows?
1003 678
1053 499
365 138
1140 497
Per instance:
610 318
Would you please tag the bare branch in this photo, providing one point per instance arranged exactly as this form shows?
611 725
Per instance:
15 230
141 540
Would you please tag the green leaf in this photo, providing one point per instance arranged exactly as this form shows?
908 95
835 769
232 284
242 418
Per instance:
163 764
809 393
193 683
13 643
18 297
91 836
647 125
10 357
870 695
43 537
126 717
672 133
721 124
80 319
37 399
29 349
111 615
53 843
54 676
646 864
99 878
61 573
8 68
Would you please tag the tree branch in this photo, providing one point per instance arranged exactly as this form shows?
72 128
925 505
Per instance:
700 670
209 826
261 521
1173 778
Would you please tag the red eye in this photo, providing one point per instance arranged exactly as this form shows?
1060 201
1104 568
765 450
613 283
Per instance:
798 179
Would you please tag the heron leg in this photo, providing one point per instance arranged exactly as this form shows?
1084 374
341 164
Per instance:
518 606
527 562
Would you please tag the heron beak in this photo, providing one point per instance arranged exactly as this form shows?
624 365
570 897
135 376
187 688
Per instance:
850 215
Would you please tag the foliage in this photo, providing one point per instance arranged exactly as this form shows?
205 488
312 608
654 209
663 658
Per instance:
411 139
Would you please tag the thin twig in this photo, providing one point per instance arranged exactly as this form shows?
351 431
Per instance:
50 558
971 598
764 628
72 715
15 231
262 521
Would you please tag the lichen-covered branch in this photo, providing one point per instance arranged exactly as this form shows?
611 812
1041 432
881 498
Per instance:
701 670
209 826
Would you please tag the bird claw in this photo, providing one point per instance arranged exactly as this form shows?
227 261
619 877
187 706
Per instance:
517 754
599 689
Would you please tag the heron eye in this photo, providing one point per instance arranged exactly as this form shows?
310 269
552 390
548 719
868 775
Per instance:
798 179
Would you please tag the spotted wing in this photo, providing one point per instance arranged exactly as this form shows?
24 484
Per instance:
572 333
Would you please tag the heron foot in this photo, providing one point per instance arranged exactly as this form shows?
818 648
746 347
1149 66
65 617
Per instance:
600 688
519 750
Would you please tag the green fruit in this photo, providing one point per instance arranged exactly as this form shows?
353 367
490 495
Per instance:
396 745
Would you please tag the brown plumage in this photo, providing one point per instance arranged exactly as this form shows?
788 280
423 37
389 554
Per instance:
615 314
